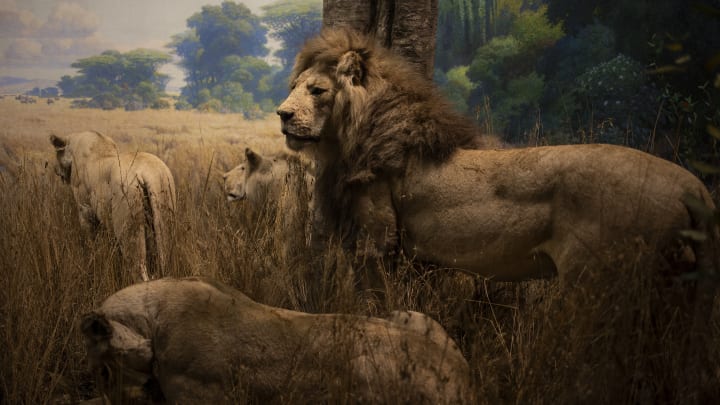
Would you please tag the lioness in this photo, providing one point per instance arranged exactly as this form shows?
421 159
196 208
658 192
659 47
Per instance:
261 178
133 194
392 169
195 340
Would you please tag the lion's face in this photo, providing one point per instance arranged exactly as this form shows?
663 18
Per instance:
63 166
307 109
234 182
253 178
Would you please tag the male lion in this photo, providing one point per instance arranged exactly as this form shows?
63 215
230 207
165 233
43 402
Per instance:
133 194
195 340
392 169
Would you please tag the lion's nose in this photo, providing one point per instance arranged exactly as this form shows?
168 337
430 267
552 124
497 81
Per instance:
285 115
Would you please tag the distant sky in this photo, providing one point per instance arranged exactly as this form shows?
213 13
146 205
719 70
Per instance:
39 39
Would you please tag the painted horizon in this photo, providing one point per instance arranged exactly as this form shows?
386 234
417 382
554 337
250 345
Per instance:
40 39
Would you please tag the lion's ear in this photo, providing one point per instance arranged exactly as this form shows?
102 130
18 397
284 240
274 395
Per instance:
58 143
96 327
350 69
253 158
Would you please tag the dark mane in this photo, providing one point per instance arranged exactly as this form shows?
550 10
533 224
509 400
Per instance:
392 114
401 113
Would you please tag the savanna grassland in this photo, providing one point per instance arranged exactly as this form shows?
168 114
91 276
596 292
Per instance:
621 335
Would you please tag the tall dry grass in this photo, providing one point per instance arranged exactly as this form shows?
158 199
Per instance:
620 335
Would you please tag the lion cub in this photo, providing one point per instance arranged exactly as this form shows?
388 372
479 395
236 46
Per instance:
196 340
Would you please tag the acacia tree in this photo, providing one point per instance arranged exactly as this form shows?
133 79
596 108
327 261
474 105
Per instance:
113 79
224 44
291 22
407 26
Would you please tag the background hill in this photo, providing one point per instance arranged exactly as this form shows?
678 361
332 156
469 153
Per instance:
17 85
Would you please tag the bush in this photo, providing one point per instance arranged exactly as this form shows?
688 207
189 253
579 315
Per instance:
106 101
621 100
457 87
160 104
182 104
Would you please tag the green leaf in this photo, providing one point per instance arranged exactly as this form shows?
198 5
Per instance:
697 236
713 131
704 167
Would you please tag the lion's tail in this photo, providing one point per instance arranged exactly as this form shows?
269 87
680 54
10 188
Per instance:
159 202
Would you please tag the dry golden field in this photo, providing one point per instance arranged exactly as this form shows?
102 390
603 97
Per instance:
616 337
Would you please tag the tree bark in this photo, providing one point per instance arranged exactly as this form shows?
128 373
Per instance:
407 26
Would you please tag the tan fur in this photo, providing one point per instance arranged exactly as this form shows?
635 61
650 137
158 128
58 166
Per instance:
392 168
259 178
197 340
132 194
283 182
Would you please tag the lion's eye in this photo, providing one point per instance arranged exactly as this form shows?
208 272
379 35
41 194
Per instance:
316 91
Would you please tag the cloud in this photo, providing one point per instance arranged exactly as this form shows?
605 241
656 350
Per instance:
68 34
17 23
69 20
24 50
50 52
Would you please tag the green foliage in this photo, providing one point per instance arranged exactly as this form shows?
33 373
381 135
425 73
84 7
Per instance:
113 79
182 104
292 22
246 70
457 87
228 29
535 32
221 55
493 61
160 104
515 104
503 70
68 85
233 97
461 30
619 78
267 105
619 99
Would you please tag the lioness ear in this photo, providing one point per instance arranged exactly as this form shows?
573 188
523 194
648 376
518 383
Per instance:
58 143
350 69
96 327
253 158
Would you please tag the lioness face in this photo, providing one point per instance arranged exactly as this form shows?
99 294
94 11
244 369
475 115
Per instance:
63 166
306 110
234 183
249 179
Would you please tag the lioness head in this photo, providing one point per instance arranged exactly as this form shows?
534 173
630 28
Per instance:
116 351
63 166
329 75
252 178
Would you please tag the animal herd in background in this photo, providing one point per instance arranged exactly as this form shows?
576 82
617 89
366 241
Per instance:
511 215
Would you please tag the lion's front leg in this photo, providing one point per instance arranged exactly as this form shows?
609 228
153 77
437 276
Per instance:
377 239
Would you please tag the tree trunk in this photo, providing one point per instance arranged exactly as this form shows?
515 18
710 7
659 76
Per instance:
407 26
490 8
